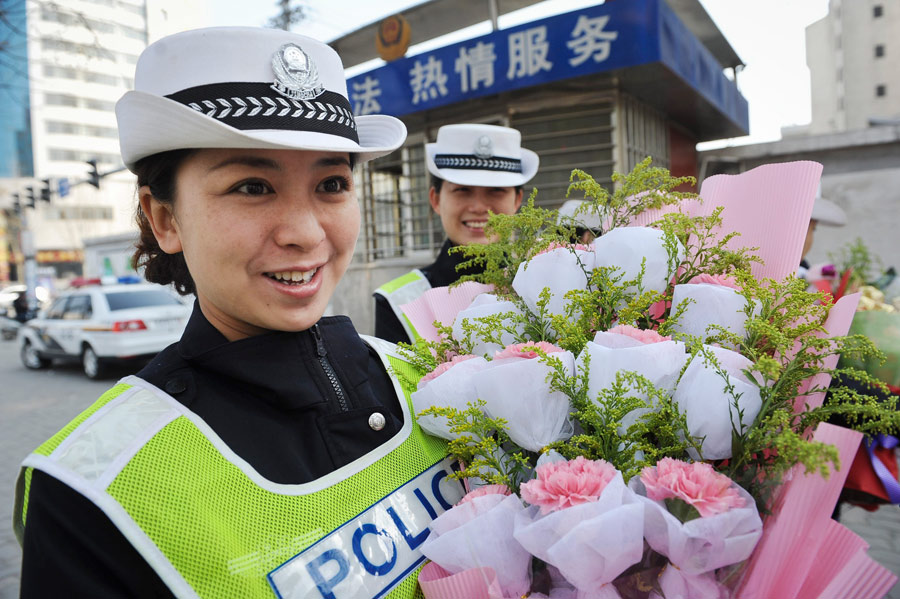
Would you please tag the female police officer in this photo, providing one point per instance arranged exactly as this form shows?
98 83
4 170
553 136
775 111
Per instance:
268 453
475 170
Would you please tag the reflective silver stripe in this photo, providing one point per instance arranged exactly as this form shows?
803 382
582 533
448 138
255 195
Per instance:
404 295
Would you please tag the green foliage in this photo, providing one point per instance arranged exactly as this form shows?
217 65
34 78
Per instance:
479 447
859 260
645 188
658 433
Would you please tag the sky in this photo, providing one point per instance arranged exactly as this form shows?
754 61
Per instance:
768 35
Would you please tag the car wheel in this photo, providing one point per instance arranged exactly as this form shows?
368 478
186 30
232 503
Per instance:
91 364
31 358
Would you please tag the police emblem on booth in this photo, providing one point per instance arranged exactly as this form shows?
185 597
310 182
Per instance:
392 39
296 75
484 147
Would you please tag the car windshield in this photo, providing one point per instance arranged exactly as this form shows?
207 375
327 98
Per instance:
124 300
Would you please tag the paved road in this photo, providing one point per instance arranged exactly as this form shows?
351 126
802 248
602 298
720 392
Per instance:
34 405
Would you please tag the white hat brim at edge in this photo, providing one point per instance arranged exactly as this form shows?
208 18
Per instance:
484 178
156 124
827 212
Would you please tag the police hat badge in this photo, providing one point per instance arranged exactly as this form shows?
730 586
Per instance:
296 75
484 147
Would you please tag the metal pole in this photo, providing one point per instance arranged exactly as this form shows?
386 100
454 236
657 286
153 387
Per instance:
494 12
27 244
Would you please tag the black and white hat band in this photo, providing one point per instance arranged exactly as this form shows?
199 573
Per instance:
248 106
470 161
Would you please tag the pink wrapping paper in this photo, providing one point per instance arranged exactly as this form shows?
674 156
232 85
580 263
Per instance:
839 547
836 325
770 207
477 583
795 533
860 578
441 304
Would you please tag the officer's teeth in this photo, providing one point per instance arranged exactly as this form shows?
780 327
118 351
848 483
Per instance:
294 276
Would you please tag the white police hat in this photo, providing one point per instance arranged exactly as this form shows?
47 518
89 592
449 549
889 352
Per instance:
482 155
827 212
246 87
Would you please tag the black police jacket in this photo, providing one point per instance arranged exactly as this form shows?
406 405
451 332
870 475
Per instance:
269 397
441 273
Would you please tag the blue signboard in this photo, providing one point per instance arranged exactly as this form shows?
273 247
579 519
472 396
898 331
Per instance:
614 35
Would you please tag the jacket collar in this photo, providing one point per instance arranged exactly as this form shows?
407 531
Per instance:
282 368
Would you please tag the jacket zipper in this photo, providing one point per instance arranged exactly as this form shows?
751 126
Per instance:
329 370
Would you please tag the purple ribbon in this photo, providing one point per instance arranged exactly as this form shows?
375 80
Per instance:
884 475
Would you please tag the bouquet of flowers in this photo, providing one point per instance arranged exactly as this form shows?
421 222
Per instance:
644 416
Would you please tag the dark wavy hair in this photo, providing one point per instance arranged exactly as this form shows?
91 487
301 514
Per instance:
158 172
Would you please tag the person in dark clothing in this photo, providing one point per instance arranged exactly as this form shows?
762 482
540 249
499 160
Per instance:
20 306
254 457
476 170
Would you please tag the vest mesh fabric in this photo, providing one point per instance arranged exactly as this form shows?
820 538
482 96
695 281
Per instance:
53 442
240 534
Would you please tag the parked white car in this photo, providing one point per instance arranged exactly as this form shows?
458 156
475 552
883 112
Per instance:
102 324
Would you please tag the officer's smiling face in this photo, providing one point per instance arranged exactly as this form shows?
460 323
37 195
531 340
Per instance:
464 209
266 234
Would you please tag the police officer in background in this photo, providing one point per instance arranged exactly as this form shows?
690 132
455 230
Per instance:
476 170
269 452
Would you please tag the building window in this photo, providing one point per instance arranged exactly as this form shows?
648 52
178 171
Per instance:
880 90
877 11
879 50
60 100
66 155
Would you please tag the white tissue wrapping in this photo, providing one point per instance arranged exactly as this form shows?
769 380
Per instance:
518 390
627 247
451 389
701 395
561 269
479 533
712 304
484 305
660 363
591 543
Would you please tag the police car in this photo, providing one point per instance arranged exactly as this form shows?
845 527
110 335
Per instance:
101 324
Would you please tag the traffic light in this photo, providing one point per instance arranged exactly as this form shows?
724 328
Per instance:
45 191
17 203
94 175
30 196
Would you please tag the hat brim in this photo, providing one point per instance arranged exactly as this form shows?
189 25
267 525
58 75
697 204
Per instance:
150 124
483 178
827 212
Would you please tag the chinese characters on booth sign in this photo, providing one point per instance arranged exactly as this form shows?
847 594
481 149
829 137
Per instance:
528 55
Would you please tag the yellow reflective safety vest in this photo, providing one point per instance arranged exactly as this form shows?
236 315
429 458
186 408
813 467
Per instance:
211 526
403 290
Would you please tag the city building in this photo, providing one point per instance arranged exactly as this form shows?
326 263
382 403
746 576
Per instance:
853 56
598 89
854 61
66 63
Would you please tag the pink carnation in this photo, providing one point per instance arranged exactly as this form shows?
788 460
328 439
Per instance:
643 335
485 490
524 350
696 483
442 368
555 245
720 280
564 484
